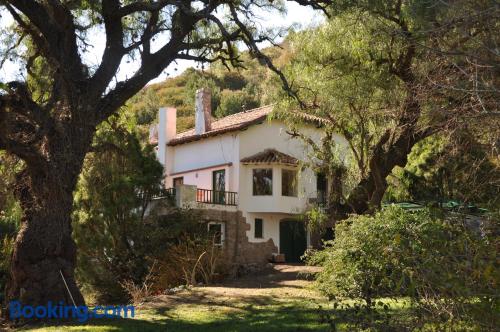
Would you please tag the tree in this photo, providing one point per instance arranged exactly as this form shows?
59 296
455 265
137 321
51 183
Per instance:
385 75
10 213
49 119
449 166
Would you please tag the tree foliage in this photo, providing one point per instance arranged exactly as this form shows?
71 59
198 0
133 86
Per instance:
233 91
49 114
386 75
444 264
454 166
118 242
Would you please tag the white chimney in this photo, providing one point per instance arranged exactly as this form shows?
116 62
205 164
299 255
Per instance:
167 122
203 111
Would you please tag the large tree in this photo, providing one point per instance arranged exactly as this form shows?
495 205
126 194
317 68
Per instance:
48 119
387 74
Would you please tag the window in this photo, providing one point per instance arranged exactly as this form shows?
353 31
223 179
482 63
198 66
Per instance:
216 232
288 182
322 188
178 181
262 181
258 234
218 186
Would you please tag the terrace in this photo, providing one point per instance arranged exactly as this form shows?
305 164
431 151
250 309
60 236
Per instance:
189 195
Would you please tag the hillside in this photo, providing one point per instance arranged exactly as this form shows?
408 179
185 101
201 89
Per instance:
233 90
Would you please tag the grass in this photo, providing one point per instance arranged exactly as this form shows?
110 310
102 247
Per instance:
278 301
268 315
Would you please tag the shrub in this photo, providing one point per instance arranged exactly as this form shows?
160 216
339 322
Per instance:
116 262
447 268
139 292
195 258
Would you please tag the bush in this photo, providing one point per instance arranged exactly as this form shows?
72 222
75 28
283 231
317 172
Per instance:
447 268
195 258
117 260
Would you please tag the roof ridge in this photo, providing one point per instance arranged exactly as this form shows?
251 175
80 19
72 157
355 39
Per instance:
270 155
247 111
232 115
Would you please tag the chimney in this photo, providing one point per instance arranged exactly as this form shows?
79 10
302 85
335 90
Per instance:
203 111
167 122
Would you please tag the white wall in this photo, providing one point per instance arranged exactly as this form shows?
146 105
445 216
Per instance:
275 202
272 134
201 178
205 153
270 227
231 148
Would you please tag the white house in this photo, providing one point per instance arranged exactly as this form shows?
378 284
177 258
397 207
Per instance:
245 174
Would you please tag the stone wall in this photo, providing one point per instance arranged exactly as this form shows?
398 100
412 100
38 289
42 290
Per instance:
238 251
236 246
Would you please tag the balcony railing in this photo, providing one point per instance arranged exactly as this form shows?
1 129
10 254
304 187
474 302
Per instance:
216 197
165 192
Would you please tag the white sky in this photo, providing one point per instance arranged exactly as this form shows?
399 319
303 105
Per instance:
297 15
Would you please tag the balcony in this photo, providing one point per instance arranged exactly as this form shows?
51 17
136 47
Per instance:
165 193
216 197
193 197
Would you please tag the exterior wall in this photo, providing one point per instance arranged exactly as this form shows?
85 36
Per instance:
166 131
276 202
207 152
202 178
270 227
272 134
231 148
238 249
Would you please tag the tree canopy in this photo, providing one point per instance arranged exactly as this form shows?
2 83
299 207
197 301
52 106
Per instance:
386 75
49 115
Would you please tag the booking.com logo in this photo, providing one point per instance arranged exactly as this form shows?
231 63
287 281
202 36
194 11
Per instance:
61 311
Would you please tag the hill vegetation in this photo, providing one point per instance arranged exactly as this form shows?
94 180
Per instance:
233 91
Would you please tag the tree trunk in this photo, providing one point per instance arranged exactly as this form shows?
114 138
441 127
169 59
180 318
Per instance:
44 251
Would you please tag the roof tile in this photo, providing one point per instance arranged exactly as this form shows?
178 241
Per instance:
238 121
229 123
269 156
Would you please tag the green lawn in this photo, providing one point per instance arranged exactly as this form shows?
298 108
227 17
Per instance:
280 300
275 315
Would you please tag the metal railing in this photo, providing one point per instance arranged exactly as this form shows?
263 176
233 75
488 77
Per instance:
216 197
165 192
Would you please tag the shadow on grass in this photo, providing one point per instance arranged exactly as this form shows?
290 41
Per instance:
258 315
269 278
353 318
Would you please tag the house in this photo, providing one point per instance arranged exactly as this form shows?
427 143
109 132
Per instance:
245 174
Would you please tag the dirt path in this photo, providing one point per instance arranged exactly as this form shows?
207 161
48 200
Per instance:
279 282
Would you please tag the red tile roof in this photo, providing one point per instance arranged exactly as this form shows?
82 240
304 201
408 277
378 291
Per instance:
234 122
229 123
269 156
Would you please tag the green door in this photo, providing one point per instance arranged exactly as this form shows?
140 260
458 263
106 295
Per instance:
293 241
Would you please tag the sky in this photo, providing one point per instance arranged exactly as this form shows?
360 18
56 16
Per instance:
296 15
